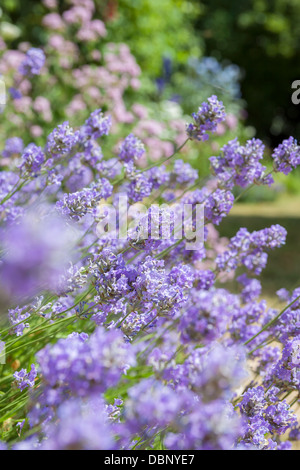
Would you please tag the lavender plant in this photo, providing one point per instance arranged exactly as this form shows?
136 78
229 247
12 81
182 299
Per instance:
134 342
81 69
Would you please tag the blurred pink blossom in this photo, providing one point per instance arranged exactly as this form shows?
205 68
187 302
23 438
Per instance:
53 21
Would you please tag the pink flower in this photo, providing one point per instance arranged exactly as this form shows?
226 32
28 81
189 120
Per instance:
11 60
2 45
50 3
231 121
96 55
220 129
140 111
76 105
98 27
53 21
77 14
135 83
36 131
56 41
42 105
94 93
25 86
23 105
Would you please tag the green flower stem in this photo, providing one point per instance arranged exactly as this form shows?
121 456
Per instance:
250 187
270 323
168 250
114 183
161 162
38 328
13 192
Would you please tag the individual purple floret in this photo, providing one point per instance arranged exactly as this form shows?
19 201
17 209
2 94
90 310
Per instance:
207 315
218 205
32 160
131 148
140 188
159 176
288 324
295 434
134 322
77 205
265 414
26 379
15 93
183 173
96 126
61 140
151 404
209 115
253 401
286 156
205 279
240 164
17 316
249 249
33 63
286 372
213 373
252 288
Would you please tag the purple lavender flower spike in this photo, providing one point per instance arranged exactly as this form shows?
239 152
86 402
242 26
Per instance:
61 140
97 125
26 379
286 156
209 115
131 148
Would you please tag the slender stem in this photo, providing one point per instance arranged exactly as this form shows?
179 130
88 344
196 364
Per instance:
155 164
250 187
294 401
270 323
13 192
166 159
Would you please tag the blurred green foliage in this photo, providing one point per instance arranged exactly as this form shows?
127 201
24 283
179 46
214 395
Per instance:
154 29
262 37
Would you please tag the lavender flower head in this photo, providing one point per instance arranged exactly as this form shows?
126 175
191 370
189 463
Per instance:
32 160
61 140
240 164
209 115
96 125
286 156
86 365
26 379
131 148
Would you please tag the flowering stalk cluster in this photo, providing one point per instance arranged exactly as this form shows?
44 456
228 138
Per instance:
132 342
